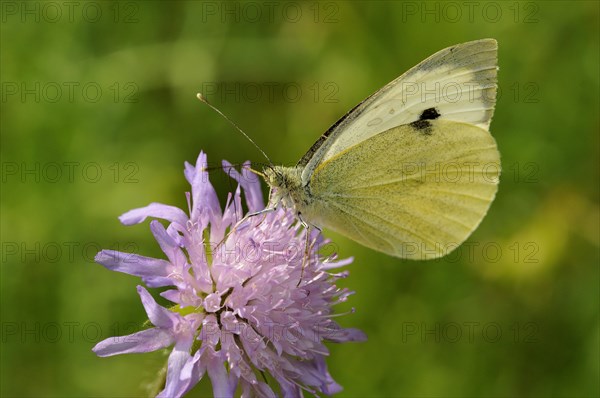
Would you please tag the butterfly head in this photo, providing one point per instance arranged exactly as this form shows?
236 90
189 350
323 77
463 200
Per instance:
285 184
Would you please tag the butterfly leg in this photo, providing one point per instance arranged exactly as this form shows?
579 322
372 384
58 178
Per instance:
271 206
308 228
263 211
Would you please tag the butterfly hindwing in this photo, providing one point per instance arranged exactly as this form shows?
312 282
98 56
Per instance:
415 191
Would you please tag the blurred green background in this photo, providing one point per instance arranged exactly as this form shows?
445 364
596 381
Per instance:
99 113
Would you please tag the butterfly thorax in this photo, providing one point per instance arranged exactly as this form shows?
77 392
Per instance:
286 187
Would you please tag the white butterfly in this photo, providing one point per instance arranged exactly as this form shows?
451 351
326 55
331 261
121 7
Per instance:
411 170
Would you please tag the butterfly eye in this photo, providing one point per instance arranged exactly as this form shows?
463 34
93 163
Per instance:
272 176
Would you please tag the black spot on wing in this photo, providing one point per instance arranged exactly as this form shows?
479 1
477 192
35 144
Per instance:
429 114
422 126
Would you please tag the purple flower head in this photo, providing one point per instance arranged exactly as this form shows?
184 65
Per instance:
248 300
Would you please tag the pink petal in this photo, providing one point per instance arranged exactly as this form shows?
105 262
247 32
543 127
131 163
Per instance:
144 341
204 196
250 182
157 210
224 384
153 271
168 244
159 316
175 386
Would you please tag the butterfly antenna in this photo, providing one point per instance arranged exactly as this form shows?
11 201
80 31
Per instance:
202 98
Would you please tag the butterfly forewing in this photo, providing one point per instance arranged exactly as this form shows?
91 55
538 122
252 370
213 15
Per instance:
457 83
